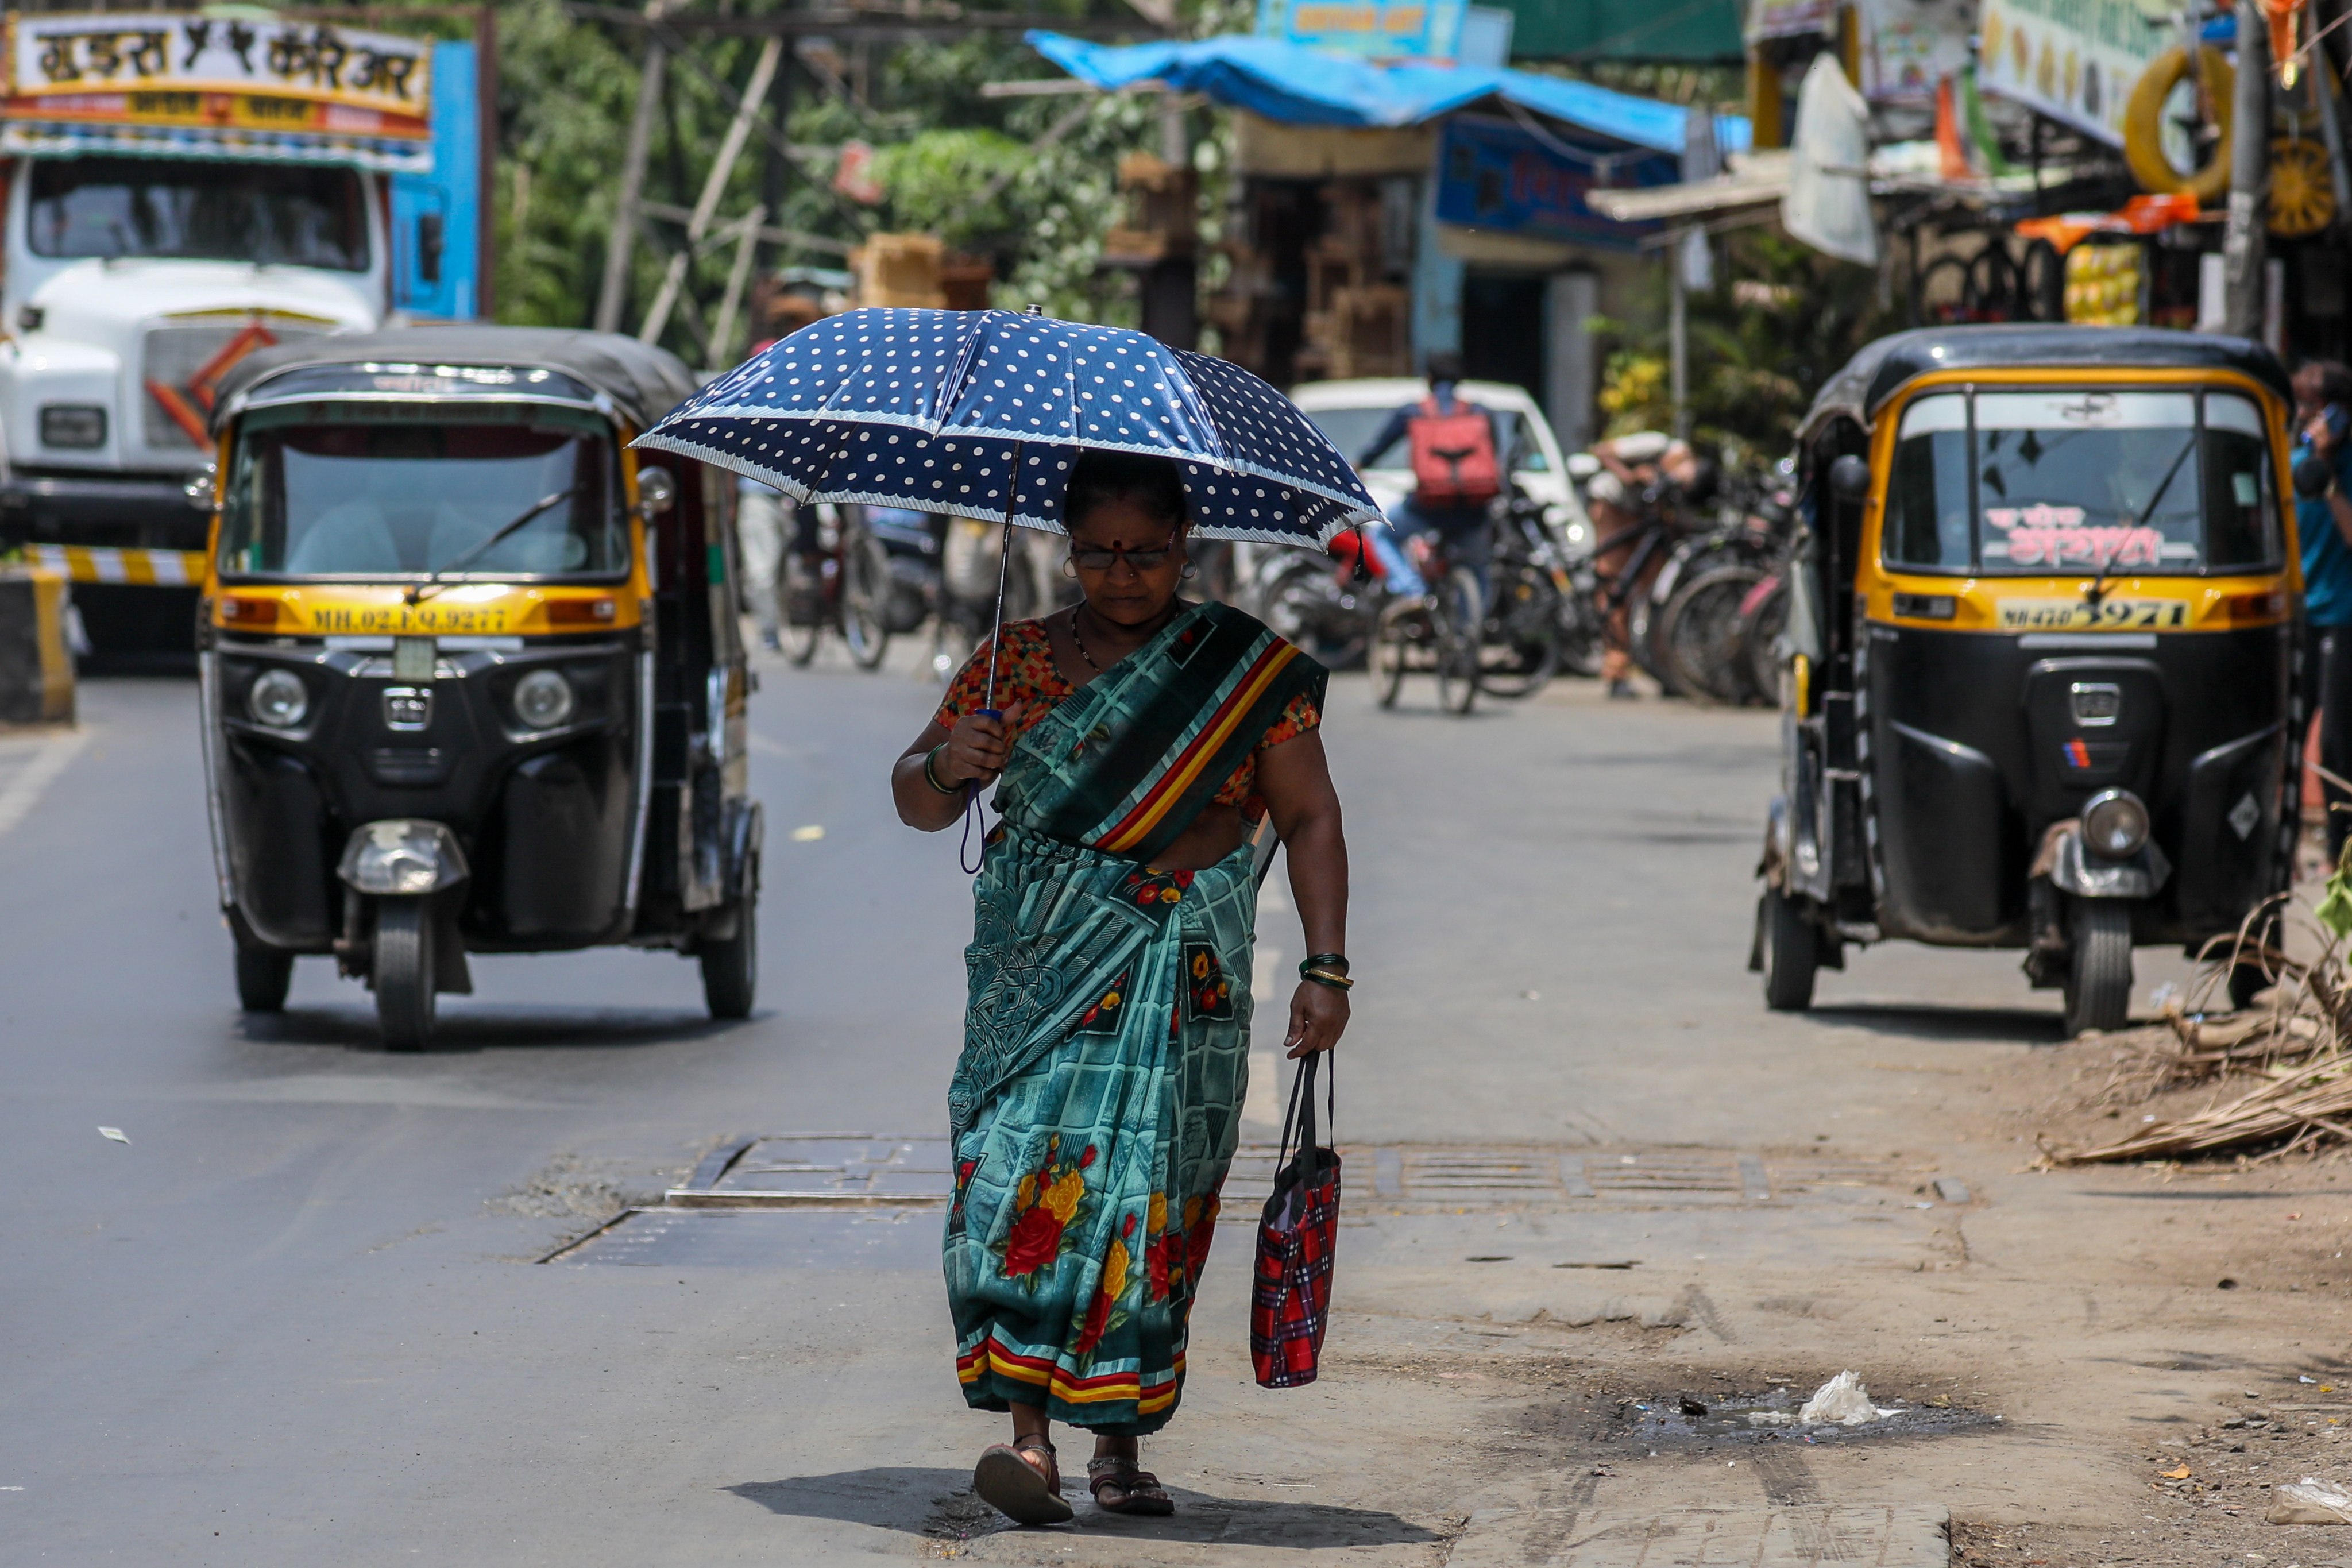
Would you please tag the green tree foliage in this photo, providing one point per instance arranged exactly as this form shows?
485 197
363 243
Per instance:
1781 320
949 162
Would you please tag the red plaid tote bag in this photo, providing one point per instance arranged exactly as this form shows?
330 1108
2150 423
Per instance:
1290 1300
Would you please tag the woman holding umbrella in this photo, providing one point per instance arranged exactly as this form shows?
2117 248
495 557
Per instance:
1108 1036
1134 741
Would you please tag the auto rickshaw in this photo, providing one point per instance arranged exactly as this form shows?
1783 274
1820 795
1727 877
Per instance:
2039 689
471 673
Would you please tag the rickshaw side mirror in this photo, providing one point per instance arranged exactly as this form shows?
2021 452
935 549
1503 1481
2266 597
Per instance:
199 488
657 492
1850 479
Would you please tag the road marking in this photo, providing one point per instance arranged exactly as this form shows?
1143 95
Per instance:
23 791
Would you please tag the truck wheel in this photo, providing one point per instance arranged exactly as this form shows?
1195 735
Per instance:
2099 974
263 977
1791 952
731 968
402 973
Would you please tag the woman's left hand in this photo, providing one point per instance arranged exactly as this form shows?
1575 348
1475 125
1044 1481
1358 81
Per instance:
1318 1016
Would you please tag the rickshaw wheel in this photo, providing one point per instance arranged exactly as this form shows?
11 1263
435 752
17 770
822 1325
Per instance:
731 968
402 973
263 976
1791 955
2099 974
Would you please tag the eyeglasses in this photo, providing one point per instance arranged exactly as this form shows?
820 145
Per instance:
1149 560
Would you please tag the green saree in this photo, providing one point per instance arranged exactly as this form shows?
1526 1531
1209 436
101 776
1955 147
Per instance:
1094 1108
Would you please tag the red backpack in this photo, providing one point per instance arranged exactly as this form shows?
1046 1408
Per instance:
1453 461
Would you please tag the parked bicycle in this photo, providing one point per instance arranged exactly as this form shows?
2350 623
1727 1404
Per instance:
1438 631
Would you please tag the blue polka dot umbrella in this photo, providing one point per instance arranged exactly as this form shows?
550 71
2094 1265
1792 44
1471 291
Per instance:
981 413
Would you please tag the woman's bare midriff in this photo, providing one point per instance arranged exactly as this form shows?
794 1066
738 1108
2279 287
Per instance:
1215 833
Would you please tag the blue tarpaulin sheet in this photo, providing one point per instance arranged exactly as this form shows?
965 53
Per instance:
1300 86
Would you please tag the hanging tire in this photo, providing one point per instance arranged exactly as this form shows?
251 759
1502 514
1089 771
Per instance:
2144 151
402 973
730 967
263 977
1459 622
1790 948
2099 970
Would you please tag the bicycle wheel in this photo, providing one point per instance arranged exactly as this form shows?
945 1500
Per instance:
1582 634
1387 653
1760 639
1303 604
1460 618
865 597
1522 634
1701 634
805 609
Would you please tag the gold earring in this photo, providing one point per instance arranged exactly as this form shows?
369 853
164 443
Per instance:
1069 567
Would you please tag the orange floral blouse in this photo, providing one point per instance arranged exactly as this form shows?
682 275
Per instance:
1028 675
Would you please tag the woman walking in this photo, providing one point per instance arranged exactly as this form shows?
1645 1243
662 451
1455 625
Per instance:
1094 1108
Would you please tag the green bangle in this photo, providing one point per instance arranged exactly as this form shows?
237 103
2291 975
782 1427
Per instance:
931 778
1322 978
1335 962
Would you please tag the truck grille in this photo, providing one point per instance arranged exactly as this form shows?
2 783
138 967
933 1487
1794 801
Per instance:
180 367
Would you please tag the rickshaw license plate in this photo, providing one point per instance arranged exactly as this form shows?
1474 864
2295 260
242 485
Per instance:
420 620
2109 615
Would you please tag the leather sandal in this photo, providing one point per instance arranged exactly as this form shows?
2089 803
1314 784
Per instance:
1011 1484
1140 1490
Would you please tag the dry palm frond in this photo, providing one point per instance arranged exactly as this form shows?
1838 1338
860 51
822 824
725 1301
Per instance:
2293 1047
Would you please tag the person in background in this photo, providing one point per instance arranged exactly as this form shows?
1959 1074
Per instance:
1457 470
2323 407
1630 465
762 512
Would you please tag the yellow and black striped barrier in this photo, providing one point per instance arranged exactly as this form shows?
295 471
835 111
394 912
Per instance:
143 568
37 672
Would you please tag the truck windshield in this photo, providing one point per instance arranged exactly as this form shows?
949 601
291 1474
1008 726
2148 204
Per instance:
116 207
339 492
2025 483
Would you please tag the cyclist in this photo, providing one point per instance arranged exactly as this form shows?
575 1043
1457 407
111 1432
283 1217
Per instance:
1457 468
1632 465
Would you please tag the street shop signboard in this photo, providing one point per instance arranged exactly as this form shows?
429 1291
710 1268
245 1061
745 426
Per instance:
1496 174
1908 45
161 75
1371 29
1790 19
2074 60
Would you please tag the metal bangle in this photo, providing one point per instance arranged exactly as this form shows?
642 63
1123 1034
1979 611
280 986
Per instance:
1323 977
931 778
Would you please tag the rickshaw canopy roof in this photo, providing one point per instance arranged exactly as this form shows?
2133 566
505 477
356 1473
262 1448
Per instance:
1884 368
642 382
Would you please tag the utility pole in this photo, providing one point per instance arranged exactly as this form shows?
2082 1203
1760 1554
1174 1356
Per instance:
1678 336
2249 151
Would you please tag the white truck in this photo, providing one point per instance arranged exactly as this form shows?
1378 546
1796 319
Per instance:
178 190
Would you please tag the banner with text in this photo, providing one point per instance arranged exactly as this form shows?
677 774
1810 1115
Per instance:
2074 60
1374 29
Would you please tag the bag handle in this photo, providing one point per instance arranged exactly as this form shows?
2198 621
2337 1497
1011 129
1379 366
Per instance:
1301 1113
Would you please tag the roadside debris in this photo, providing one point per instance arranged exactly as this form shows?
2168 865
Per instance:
1841 1401
2310 1501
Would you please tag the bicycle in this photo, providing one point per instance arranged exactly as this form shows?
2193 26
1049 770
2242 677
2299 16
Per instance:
1536 621
838 577
1440 631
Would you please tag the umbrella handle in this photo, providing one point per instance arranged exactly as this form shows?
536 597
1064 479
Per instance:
972 810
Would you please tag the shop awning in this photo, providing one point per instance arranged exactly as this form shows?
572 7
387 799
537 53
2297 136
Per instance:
1299 86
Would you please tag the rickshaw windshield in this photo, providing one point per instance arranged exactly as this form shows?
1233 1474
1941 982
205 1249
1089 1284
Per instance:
382 491
2037 483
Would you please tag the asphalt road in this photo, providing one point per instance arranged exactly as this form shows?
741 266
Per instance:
298 1318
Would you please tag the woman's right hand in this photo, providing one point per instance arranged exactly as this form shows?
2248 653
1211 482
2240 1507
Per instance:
978 748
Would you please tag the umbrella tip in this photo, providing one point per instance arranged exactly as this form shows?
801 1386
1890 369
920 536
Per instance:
1034 310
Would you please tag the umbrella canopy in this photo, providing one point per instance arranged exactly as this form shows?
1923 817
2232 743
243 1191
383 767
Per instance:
937 409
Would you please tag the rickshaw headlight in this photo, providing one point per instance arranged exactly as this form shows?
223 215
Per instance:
2115 825
278 700
542 699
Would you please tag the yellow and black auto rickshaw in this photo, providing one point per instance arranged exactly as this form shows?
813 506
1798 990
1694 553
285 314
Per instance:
2041 692
472 679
